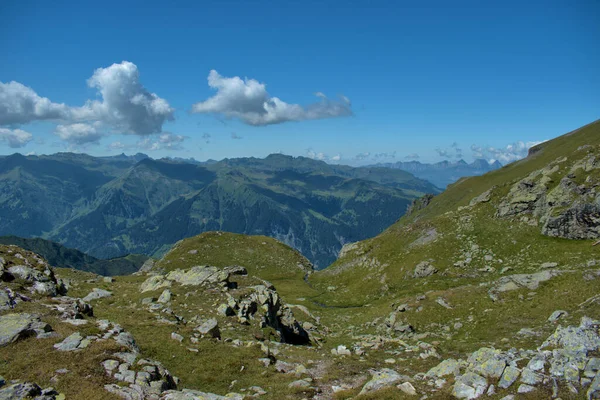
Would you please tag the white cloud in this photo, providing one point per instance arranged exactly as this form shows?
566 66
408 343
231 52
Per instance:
20 104
126 106
512 152
117 146
249 101
78 134
443 153
310 153
362 156
337 157
412 156
383 156
164 141
15 138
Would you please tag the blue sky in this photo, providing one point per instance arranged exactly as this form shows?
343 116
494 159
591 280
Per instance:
402 80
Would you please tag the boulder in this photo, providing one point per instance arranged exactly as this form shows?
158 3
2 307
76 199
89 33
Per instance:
209 328
165 296
97 293
469 386
20 391
17 326
154 283
199 275
70 343
381 379
424 269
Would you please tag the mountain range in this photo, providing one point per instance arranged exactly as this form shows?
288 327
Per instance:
489 290
108 207
444 172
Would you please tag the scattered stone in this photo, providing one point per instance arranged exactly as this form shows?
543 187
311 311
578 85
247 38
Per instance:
108 279
14 327
408 388
154 283
509 377
176 336
443 303
210 328
70 343
469 386
300 384
523 388
424 269
165 296
556 315
381 379
97 294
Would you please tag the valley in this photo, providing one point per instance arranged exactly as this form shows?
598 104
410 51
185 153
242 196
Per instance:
487 290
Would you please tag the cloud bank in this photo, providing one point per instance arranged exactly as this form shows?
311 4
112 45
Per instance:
15 138
249 101
125 106
512 152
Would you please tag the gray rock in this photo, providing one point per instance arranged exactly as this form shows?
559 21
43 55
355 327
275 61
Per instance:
424 269
408 388
523 388
285 367
20 391
187 394
165 296
300 384
199 275
210 328
592 367
126 339
381 379
583 338
445 368
17 326
97 293
469 386
487 362
236 270
110 366
556 315
594 390
225 309
176 336
154 283
509 376
531 378
70 343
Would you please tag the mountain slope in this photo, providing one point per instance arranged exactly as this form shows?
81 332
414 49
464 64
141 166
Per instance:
112 206
444 173
58 255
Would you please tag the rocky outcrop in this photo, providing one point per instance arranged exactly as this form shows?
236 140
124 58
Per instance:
564 359
195 276
14 327
28 390
559 199
424 269
264 305
30 269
